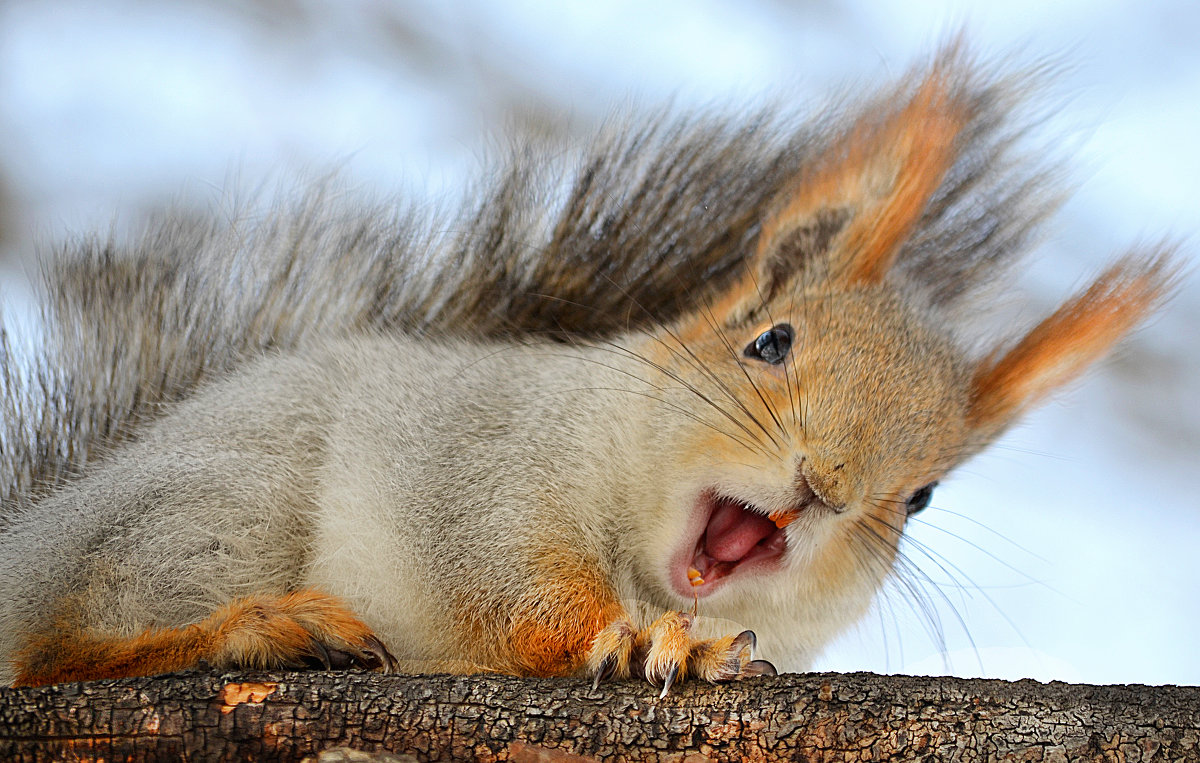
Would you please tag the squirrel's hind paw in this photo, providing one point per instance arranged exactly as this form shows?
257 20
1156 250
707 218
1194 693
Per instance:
665 653
301 630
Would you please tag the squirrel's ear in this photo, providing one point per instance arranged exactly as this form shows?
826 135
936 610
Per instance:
862 198
850 209
1059 348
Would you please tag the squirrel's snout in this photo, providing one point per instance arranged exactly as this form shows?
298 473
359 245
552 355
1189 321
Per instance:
824 485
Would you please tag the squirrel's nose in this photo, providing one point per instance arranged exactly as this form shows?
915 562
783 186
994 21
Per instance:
824 484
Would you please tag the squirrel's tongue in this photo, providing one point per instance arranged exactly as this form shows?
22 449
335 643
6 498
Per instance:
732 531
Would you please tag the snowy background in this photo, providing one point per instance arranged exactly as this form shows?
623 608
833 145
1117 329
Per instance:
1069 551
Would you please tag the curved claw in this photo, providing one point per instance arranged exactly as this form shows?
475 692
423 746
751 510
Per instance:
340 659
371 655
321 653
672 674
758 668
377 656
607 666
746 639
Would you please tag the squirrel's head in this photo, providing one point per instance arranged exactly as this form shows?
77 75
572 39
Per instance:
833 395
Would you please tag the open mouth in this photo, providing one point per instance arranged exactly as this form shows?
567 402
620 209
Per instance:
736 536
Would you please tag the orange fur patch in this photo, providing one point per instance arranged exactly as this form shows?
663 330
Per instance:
253 632
875 182
716 659
884 170
72 654
267 631
920 144
1060 347
616 641
553 627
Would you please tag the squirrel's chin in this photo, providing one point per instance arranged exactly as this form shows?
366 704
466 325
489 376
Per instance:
728 539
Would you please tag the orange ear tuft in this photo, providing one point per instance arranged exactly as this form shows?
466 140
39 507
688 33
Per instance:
1063 345
878 178
848 212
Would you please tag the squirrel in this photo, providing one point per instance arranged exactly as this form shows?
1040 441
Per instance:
627 404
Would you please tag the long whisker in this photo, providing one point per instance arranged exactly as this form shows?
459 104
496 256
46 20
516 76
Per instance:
618 349
953 573
909 575
678 409
710 319
984 526
723 386
807 316
888 559
674 376
943 564
692 358
762 300
876 502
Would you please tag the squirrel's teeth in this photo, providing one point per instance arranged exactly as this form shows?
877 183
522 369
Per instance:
783 518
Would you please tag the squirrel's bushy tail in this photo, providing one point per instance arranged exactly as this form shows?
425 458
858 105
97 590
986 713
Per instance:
644 223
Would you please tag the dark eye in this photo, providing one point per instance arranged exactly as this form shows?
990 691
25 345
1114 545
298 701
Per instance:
772 345
920 499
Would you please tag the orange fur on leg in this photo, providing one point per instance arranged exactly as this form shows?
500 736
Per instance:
553 636
549 630
254 632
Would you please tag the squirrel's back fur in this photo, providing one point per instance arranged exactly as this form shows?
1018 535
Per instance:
504 433
646 221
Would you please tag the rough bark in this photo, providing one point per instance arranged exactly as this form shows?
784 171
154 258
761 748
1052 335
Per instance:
815 717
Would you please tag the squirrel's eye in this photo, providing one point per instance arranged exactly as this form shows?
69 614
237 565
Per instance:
920 499
771 345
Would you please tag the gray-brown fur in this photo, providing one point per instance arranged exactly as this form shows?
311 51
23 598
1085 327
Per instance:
640 225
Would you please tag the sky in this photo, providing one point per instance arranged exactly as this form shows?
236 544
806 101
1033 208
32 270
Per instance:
1065 552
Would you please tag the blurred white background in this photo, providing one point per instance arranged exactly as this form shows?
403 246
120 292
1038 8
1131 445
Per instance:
1069 551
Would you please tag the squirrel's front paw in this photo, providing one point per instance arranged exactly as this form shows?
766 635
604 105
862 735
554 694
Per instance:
665 652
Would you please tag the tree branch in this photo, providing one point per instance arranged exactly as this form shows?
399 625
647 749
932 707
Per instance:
814 717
